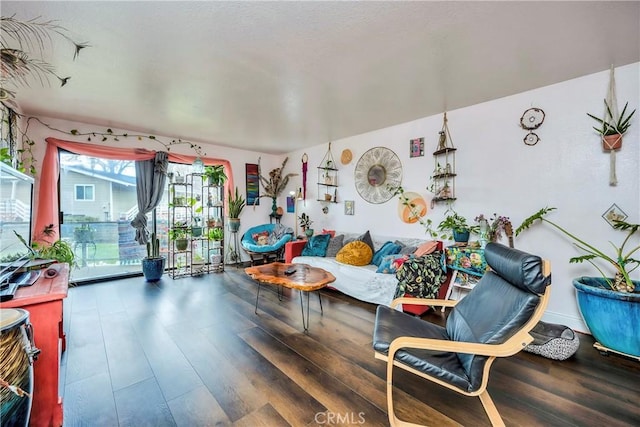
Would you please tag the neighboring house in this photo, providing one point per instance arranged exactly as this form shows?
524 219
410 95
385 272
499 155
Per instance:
106 196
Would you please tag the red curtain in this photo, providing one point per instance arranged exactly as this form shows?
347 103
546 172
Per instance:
47 206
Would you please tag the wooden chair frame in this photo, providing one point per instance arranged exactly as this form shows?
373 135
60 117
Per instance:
510 347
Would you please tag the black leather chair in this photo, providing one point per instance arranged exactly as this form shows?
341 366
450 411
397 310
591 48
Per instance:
493 320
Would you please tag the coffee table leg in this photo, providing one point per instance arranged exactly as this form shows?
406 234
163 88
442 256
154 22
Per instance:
320 299
257 295
305 321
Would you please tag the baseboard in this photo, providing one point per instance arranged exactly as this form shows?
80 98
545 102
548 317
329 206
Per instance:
574 323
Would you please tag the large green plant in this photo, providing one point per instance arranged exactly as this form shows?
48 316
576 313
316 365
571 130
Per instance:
623 262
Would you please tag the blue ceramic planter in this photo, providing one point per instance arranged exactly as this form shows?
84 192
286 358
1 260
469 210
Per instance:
461 236
612 317
153 268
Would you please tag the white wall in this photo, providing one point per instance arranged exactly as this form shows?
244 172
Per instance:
238 158
498 173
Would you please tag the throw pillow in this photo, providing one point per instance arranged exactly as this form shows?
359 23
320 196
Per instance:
366 237
256 237
391 263
335 244
421 277
389 248
426 248
316 245
355 253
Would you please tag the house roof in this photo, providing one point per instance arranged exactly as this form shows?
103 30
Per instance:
126 180
278 76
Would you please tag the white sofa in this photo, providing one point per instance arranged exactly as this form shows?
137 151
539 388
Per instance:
362 283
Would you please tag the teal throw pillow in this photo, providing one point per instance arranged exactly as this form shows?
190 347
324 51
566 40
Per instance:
316 245
389 248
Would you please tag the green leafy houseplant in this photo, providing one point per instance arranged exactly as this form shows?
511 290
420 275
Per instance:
42 247
216 234
457 224
622 260
610 125
215 174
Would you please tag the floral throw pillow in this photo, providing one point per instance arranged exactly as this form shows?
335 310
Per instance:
391 263
421 277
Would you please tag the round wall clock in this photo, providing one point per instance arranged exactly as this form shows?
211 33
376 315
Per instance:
378 174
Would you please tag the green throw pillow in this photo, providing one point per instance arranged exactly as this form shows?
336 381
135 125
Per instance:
316 245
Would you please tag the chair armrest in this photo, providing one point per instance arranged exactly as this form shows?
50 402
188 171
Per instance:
508 348
424 301
293 249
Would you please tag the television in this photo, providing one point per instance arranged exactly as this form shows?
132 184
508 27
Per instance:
16 203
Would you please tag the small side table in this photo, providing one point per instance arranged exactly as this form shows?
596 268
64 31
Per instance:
468 265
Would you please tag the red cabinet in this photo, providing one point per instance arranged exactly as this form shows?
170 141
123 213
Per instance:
43 301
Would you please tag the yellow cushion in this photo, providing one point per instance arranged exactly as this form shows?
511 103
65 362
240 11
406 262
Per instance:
355 253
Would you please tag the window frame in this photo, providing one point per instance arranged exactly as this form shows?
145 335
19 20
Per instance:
93 192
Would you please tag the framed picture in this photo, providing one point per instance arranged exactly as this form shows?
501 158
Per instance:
416 147
614 213
349 207
253 184
291 207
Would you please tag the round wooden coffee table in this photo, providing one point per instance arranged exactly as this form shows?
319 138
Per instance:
305 279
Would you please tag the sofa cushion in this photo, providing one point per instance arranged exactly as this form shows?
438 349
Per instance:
426 248
391 263
335 244
389 248
366 237
261 238
316 245
421 277
355 253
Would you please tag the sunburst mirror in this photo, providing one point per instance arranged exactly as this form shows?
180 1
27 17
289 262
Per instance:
377 174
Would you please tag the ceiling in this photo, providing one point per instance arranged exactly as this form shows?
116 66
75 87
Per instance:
278 76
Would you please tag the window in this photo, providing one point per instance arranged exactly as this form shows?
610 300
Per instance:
84 192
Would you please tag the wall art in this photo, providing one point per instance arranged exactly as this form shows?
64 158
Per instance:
416 147
253 184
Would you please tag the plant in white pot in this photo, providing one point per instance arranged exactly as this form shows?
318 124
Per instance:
609 306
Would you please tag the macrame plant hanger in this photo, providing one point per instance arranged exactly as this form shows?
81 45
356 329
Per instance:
612 101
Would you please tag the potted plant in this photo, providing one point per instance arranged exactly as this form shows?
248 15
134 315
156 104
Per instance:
460 229
179 233
612 128
608 305
305 223
43 248
153 263
196 228
215 174
235 203
216 234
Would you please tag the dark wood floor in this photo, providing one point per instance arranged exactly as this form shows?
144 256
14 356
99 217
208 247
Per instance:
192 352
